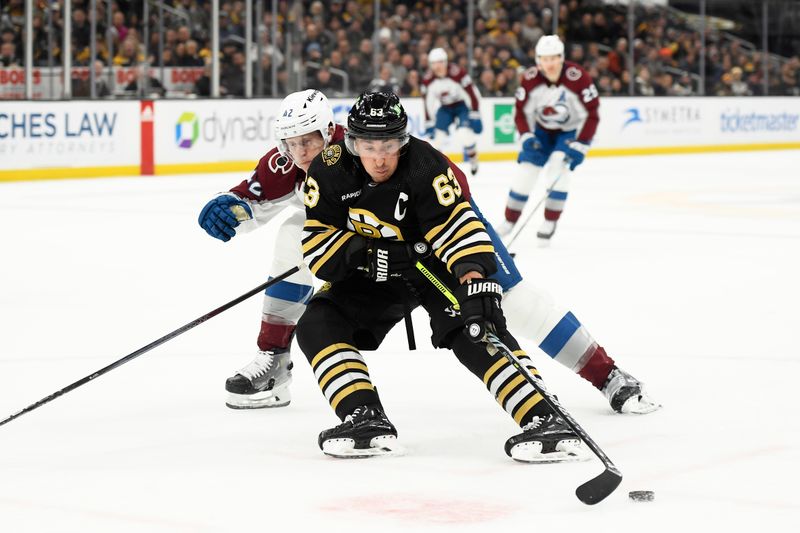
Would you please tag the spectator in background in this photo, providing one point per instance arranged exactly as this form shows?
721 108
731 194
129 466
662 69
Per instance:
81 88
202 87
530 32
81 32
137 87
642 82
485 83
8 55
325 83
191 57
739 87
789 78
232 75
128 55
359 73
119 29
385 82
411 85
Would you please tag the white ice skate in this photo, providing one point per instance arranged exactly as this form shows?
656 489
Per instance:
263 383
546 230
547 439
504 228
626 394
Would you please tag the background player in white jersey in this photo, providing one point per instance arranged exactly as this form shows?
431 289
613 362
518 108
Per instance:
556 116
303 128
450 96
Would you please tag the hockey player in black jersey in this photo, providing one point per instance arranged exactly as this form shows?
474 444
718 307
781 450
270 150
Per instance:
376 204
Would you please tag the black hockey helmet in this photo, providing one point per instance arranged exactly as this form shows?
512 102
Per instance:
377 115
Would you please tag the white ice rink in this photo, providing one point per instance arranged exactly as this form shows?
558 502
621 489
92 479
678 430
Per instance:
684 267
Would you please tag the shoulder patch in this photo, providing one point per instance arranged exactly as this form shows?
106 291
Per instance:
331 154
573 73
521 93
279 164
531 73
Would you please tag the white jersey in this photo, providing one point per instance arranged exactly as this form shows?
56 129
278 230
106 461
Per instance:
569 104
449 90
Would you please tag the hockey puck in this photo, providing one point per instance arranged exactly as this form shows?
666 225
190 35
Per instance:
642 495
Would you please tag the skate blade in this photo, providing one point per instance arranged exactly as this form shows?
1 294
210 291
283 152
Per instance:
382 446
259 400
639 405
567 451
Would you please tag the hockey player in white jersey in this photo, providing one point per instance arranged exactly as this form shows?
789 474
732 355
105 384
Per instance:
451 97
303 129
556 115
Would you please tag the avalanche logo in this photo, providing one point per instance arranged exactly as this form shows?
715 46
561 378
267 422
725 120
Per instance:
634 116
187 129
554 115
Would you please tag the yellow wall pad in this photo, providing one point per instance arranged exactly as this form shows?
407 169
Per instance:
67 173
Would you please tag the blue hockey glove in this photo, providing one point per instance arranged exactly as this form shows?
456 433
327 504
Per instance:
222 214
479 300
576 151
475 122
532 151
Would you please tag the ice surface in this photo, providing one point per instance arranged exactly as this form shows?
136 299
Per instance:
684 267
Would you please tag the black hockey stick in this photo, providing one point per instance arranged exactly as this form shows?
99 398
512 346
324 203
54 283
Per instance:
153 344
596 489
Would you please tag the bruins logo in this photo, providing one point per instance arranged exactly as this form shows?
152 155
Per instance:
331 154
370 225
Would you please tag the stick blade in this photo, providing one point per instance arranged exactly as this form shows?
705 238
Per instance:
597 489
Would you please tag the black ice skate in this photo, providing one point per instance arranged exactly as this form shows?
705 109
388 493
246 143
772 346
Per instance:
546 439
366 432
263 383
626 394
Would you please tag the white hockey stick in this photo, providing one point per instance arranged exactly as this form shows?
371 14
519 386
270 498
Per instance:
520 225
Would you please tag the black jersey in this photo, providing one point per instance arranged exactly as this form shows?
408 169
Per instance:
421 201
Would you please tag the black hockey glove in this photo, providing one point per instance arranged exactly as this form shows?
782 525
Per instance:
480 307
391 259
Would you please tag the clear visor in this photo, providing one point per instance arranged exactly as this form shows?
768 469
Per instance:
375 148
302 146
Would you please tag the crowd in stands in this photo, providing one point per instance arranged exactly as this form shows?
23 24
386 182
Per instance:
334 42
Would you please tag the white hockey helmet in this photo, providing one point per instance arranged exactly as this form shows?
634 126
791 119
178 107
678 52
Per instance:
300 113
549 45
436 55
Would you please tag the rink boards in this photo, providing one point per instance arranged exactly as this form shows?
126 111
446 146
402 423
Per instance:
48 140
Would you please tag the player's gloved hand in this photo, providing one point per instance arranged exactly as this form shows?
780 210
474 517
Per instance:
475 122
576 151
479 300
391 259
532 150
222 214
